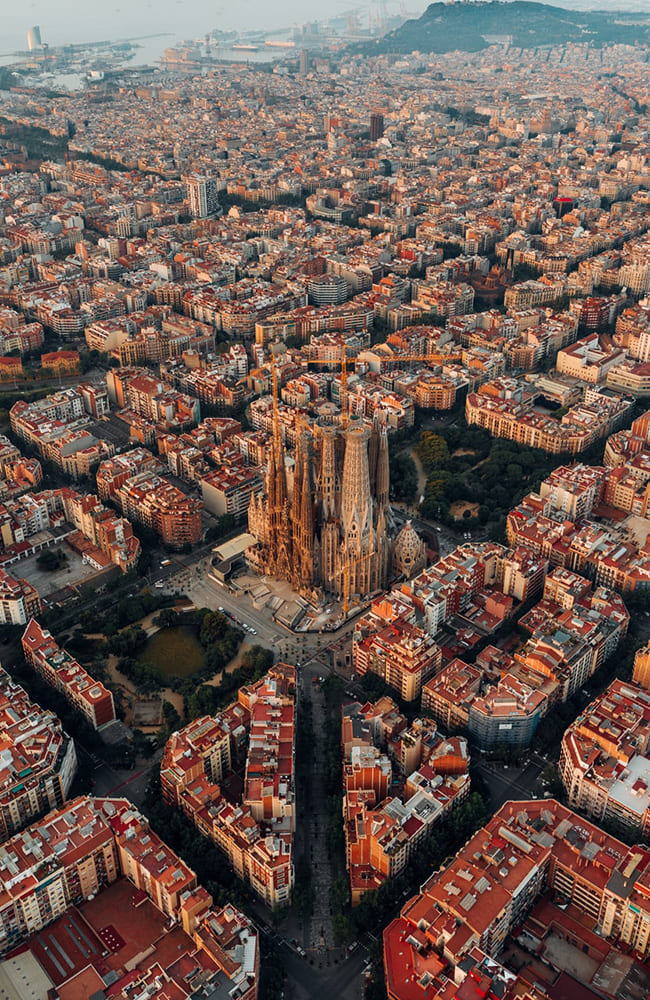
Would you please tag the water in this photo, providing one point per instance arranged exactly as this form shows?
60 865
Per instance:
76 21
176 651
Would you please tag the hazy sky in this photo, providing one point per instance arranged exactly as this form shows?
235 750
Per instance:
94 20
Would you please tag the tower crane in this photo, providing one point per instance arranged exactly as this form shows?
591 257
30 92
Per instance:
437 357
277 435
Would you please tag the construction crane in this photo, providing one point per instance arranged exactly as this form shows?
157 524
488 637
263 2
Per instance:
275 395
437 358
343 396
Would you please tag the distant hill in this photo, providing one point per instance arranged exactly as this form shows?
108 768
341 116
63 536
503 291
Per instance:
470 27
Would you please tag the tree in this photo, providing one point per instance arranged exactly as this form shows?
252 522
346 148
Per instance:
342 928
403 478
167 618
224 525
551 778
303 893
214 627
432 451
339 895
172 719
51 559
435 493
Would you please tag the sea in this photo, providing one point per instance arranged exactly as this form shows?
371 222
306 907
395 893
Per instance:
66 22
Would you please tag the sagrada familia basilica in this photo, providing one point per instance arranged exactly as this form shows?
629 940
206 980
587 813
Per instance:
325 524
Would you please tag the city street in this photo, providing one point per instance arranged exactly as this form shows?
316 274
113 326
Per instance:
307 982
506 782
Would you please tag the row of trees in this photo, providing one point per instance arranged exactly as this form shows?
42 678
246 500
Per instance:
108 615
303 893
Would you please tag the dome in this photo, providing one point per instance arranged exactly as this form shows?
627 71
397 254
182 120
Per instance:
409 553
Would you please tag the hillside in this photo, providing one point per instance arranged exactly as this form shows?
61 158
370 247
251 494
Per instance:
469 27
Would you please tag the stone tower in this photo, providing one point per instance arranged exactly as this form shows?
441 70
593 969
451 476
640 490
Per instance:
356 500
382 487
279 540
333 532
302 516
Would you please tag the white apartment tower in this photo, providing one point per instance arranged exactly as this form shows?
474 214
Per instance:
202 196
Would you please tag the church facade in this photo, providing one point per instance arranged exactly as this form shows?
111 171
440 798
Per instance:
326 525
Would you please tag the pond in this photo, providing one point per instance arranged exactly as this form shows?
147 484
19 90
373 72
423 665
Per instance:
175 651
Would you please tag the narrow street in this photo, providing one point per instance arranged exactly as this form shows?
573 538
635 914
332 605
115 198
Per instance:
317 931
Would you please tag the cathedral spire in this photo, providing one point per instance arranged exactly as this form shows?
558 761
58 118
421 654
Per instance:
382 486
373 452
305 554
330 487
356 502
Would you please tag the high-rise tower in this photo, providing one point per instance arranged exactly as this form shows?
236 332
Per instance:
202 196
34 38
376 126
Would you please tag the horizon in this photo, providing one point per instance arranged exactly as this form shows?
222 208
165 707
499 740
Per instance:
73 22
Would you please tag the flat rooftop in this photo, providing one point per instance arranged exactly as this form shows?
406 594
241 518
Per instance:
94 947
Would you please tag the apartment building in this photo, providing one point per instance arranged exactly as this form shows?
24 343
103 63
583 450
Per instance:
58 668
604 554
496 704
19 600
604 761
64 859
463 914
38 760
574 490
500 699
153 501
585 360
103 528
58 428
480 582
508 412
448 696
641 672
384 830
133 482
228 490
113 474
79 850
387 642
257 731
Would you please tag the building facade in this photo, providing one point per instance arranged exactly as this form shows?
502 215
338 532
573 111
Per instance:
331 532
58 668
